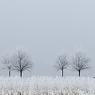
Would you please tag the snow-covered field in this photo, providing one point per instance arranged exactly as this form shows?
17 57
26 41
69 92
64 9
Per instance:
47 86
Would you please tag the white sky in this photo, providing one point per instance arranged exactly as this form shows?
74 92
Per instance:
46 28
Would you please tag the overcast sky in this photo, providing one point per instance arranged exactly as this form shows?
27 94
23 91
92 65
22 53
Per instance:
46 28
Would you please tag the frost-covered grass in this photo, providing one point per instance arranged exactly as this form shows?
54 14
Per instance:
47 86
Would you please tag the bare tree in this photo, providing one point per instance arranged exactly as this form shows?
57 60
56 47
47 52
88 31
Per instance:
21 61
7 62
62 63
80 61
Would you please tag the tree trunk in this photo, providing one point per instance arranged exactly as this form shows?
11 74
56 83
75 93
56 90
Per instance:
9 73
79 73
21 74
62 72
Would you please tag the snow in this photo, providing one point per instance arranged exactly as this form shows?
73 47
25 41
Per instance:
47 86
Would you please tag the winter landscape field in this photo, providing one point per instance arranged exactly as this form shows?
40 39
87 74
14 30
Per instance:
47 86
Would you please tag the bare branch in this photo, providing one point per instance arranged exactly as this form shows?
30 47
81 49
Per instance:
61 63
80 61
21 62
7 62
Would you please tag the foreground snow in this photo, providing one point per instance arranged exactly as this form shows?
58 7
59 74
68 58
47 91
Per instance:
47 86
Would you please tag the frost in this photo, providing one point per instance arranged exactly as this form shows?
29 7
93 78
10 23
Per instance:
47 86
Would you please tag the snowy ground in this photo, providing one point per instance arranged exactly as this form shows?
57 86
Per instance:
47 86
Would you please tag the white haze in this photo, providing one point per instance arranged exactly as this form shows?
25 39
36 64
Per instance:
46 28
